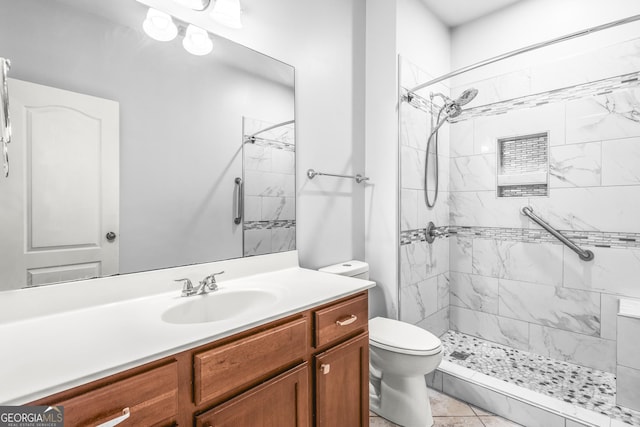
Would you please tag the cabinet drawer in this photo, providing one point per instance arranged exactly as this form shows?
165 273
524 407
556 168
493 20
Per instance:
282 401
240 363
340 320
151 397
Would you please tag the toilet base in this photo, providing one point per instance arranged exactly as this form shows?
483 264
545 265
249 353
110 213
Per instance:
403 400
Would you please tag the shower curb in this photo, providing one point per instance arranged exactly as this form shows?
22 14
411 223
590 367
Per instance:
518 404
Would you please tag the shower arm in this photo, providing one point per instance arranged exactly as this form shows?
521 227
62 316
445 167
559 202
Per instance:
585 255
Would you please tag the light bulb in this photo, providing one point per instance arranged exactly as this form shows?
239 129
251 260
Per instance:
159 26
227 13
196 41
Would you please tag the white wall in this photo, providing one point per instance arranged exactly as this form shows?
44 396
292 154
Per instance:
324 41
381 199
422 38
533 21
424 44
398 27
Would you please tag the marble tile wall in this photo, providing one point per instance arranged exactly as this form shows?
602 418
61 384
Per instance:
500 403
628 369
510 282
506 279
269 192
424 267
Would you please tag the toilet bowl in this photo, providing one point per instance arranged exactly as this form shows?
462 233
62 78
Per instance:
400 355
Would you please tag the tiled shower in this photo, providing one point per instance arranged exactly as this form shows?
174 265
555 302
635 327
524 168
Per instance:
562 137
269 178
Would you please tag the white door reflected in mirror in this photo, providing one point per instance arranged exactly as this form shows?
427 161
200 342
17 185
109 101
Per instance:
65 169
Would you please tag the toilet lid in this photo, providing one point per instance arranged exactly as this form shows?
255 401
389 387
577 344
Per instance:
402 337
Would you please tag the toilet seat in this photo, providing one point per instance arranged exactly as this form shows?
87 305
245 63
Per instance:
401 337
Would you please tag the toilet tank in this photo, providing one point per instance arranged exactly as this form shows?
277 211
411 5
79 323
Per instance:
353 268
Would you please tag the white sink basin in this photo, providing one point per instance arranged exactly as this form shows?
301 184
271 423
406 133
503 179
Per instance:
219 306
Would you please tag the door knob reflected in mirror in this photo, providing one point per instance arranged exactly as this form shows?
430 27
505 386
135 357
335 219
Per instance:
111 236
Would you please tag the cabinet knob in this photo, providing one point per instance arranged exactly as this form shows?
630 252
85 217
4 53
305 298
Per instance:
347 321
325 368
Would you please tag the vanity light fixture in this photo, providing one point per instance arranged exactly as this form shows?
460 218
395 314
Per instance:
196 41
159 26
227 13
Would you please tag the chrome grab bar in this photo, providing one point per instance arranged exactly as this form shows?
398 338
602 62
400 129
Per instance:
5 132
240 201
585 255
359 178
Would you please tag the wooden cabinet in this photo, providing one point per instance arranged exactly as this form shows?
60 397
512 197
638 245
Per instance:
341 319
230 367
280 402
310 368
342 384
150 398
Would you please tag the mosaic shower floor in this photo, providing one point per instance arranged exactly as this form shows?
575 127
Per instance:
589 388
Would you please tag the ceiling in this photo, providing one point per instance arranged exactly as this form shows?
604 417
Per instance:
457 12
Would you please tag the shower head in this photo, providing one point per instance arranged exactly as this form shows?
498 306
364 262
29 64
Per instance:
452 109
453 106
466 96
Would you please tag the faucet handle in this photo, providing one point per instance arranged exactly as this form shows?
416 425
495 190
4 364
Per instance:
187 288
210 281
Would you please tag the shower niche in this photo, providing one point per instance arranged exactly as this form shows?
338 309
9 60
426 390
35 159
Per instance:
523 165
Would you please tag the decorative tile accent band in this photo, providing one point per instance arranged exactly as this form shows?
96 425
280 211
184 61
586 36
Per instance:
601 239
278 145
420 235
533 190
263 225
599 87
417 101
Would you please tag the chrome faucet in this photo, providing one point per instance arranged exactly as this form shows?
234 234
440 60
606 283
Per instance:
432 232
208 284
187 287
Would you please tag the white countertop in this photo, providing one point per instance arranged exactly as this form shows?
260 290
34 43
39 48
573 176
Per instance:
52 350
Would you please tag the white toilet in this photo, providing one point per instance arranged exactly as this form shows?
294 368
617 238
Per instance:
400 355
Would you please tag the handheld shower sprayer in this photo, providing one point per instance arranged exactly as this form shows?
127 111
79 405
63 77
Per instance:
451 108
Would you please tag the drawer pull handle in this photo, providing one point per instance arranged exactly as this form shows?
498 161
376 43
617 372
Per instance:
117 420
349 320
325 368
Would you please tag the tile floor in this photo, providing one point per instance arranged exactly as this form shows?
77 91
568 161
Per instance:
585 387
450 412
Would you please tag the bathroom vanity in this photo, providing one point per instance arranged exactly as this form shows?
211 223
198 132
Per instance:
300 361
311 363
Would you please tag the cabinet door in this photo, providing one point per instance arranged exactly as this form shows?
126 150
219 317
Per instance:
280 402
342 384
150 399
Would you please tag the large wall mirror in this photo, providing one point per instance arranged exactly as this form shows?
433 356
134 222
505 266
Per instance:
129 154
